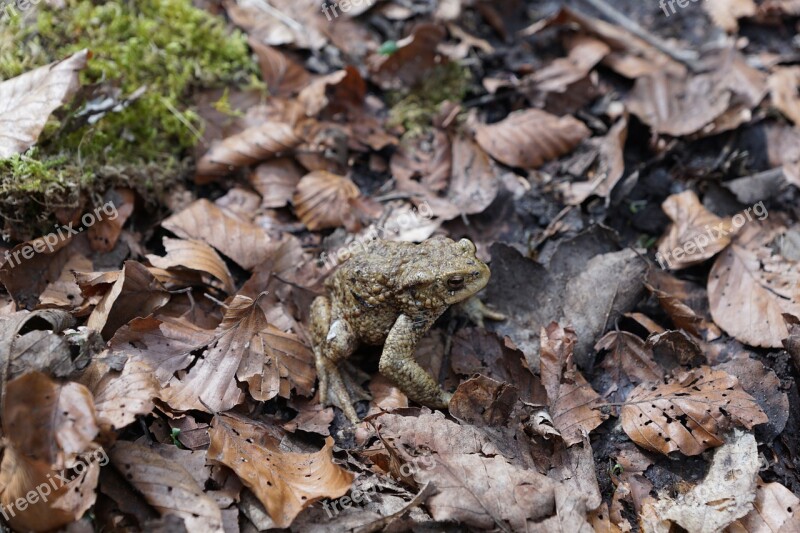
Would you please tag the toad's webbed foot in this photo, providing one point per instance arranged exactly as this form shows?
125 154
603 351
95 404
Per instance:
340 385
476 311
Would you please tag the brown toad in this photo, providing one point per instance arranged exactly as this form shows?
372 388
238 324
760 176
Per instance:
391 293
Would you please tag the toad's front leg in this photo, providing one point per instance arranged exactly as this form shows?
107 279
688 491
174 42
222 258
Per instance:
397 363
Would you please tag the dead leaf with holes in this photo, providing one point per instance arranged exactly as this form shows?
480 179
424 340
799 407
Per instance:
775 508
426 159
324 200
194 255
750 286
689 413
530 137
284 482
40 348
119 397
167 486
27 101
64 292
695 235
628 363
569 395
242 241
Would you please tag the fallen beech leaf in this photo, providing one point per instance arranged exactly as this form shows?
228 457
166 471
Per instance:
584 54
411 62
166 345
529 138
105 232
684 302
323 200
27 101
482 401
282 74
250 146
608 170
775 508
135 293
783 83
167 486
425 158
726 493
340 91
275 180
243 242
726 13
628 363
120 397
194 255
40 348
569 396
696 234
284 482
689 412
64 292
750 287
49 422
296 22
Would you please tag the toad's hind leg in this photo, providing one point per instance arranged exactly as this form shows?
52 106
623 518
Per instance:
334 341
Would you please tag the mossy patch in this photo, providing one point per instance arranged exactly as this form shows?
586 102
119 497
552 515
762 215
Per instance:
415 109
159 50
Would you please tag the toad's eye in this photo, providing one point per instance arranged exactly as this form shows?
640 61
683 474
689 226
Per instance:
455 282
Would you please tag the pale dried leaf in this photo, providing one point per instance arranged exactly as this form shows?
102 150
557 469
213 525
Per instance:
608 170
529 138
194 255
726 13
689 413
120 397
775 508
27 101
783 84
276 180
323 200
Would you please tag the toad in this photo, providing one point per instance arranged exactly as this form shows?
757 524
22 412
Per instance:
391 293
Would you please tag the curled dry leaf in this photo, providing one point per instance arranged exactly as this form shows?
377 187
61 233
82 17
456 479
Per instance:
584 54
275 180
27 101
775 508
282 74
323 200
628 363
529 138
255 144
105 232
726 13
243 242
569 396
696 234
783 83
750 287
281 22
689 413
340 91
64 292
39 348
194 255
608 170
684 302
167 486
135 293
284 482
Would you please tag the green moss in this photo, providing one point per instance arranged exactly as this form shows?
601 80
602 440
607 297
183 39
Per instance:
163 49
415 109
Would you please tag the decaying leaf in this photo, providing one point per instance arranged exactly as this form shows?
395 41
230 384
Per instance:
689 413
609 168
528 138
120 397
323 200
194 255
570 397
628 363
284 482
775 508
27 101
783 85
167 486
750 287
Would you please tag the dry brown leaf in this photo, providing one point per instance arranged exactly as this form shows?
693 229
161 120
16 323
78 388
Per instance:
120 397
23 481
194 255
529 138
608 170
165 346
696 234
684 302
689 413
628 363
340 91
282 74
255 144
584 54
323 200
243 242
105 232
167 486
27 101
426 159
726 13
275 180
783 84
284 482
750 287
569 395
135 293
280 22
49 422
775 508
412 61
64 292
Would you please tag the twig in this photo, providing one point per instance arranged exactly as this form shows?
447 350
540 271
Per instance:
687 57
